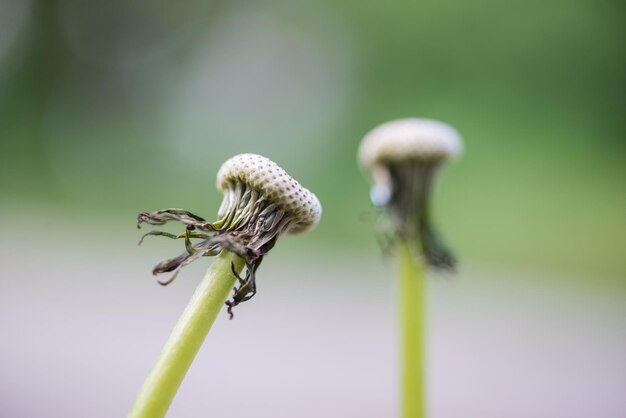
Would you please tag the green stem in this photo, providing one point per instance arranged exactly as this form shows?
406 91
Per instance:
412 303
185 340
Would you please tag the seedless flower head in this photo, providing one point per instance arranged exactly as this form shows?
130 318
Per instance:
403 156
274 185
409 139
261 202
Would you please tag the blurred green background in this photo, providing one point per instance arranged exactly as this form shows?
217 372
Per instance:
109 108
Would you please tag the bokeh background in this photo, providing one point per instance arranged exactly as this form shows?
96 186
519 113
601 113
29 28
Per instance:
108 108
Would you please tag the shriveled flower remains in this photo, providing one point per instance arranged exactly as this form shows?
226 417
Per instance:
407 191
248 225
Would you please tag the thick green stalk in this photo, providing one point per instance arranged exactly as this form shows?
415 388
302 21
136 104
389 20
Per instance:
412 305
168 372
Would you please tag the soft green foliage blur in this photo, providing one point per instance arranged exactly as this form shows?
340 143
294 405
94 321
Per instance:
89 97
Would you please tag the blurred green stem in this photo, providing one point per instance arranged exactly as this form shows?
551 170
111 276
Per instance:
168 372
412 305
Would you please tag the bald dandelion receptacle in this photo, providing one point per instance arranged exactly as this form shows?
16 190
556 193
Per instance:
403 157
261 202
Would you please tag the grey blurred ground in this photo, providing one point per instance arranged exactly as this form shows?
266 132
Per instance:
82 321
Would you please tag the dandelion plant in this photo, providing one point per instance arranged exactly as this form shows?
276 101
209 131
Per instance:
261 202
403 157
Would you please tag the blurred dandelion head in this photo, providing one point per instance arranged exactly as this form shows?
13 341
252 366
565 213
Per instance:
403 157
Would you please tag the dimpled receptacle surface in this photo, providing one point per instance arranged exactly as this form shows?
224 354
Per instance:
276 186
405 139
